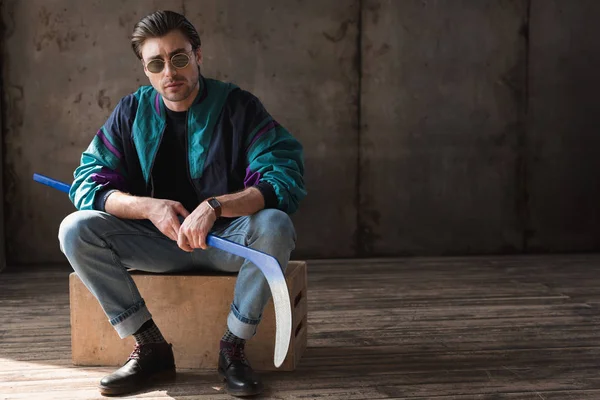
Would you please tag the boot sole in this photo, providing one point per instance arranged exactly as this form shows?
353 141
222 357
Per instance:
150 381
239 393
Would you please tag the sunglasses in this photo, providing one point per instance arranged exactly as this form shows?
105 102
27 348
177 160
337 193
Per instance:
179 61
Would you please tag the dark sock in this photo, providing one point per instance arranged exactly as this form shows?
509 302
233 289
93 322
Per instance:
148 333
230 339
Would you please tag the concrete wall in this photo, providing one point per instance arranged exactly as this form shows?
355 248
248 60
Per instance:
442 113
563 136
476 116
2 221
2 226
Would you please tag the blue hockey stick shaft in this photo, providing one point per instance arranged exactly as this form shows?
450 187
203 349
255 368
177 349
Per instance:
53 183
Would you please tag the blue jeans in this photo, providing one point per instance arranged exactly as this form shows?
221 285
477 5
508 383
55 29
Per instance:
101 247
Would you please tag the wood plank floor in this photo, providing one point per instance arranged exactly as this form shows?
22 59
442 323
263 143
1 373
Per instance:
419 328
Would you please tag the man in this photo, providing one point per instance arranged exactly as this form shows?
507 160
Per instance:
175 161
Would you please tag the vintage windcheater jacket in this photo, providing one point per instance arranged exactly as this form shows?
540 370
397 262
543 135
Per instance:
232 143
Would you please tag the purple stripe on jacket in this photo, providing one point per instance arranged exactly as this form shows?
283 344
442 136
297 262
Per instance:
108 145
157 104
265 129
107 176
252 178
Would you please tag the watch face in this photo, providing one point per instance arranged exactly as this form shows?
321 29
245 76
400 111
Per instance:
214 203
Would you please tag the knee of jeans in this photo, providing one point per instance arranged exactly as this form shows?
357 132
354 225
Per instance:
276 223
76 226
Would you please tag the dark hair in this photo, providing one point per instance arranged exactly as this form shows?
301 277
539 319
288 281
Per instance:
159 24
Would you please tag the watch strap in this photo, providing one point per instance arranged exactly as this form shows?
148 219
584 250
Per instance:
215 205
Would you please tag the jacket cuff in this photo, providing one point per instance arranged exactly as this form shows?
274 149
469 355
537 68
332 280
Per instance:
268 192
100 199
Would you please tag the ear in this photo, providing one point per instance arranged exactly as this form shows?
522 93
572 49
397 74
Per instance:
145 69
199 55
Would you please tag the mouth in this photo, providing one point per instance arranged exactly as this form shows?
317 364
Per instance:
173 85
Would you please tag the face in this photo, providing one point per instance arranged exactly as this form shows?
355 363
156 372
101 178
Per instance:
173 84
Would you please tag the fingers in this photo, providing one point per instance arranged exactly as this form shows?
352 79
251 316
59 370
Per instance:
201 239
194 238
180 209
167 229
175 225
194 229
174 234
183 241
167 222
187 233
198 238
183 238
171 234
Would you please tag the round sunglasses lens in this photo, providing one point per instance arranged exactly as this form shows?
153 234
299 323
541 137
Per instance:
180 60
155 66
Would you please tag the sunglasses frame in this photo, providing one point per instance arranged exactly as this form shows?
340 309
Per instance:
164 63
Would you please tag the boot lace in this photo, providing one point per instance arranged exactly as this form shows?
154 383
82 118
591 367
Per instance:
235 353
136 353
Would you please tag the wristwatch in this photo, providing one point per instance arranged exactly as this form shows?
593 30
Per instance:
215 205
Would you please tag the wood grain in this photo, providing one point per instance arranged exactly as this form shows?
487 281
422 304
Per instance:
420 328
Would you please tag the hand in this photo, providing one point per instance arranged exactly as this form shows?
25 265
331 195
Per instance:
163 214
195 228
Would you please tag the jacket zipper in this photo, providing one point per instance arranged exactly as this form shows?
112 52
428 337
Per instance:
187 157
154 159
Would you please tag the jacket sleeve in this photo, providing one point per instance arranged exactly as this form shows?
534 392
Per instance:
274 159
102 168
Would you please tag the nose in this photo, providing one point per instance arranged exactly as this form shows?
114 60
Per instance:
170 70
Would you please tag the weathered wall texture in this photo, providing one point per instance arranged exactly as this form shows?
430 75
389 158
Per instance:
476 116
442 113
2 224
563 135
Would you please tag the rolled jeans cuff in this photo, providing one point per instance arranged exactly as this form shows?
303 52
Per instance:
128 322
240 326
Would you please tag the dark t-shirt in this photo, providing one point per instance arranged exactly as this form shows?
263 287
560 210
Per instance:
170 172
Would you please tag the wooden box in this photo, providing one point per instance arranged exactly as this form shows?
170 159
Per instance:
191 312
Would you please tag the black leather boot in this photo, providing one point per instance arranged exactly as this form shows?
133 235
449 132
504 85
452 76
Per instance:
239 375
147 364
